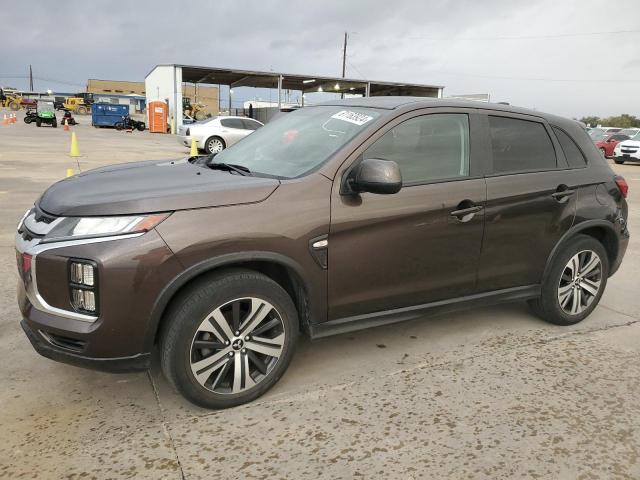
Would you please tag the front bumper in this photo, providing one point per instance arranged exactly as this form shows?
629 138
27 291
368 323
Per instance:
131 274
43 346
627 156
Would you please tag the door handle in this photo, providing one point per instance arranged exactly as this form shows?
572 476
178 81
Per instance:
466 214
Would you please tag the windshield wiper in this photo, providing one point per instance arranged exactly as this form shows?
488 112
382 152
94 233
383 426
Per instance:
242 170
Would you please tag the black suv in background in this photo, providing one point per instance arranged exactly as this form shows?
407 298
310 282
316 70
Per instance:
333 218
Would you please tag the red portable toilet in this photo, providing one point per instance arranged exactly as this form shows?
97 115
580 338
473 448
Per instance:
158 111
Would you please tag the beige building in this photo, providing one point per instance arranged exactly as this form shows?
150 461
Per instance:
207 95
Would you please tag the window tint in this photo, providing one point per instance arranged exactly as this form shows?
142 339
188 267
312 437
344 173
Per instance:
574 156
520 145
232 123
619 137
250 124
426 148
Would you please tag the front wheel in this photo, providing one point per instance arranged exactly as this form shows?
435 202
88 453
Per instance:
38 122
140 126
575 283
54 124
618 161
229 338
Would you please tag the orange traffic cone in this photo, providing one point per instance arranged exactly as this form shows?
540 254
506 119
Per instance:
5 121
65 122
15 118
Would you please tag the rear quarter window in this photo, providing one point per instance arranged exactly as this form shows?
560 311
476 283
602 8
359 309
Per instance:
572 153
520 146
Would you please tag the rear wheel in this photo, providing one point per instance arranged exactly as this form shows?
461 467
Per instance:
54 124
214 145
83 110
140 126
575 282
38 122
229 338
119 125
618 161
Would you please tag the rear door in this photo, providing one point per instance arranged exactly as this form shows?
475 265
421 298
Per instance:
421 244
531 200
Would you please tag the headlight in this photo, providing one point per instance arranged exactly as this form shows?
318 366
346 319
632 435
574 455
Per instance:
88 227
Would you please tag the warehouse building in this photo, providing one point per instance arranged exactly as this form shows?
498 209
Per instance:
167 83
206 95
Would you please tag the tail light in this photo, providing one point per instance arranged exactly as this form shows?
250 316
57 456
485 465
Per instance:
622 184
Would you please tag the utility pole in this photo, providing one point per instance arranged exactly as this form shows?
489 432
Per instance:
31 79
344 59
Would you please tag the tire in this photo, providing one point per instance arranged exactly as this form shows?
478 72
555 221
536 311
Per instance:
28 120
619 162
38 122
54 124
558 302
15 106
190 320
82 110
119 125
141 126
214 145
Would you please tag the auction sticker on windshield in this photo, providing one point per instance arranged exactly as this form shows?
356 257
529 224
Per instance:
352 117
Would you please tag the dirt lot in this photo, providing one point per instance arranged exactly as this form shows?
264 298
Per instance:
490 393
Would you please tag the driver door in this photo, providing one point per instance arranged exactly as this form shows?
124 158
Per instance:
409 248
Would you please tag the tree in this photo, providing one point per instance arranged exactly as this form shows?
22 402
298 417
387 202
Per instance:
623 121
592 121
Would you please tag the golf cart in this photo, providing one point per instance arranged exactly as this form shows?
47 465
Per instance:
45 113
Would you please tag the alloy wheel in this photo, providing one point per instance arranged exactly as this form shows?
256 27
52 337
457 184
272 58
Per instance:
237 345
580 282
215 145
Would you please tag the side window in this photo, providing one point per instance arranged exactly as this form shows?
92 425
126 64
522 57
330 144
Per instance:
520 146
232 123
573 154
429 147
250 124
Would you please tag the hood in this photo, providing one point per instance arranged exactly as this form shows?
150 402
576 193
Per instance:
629 143
151 186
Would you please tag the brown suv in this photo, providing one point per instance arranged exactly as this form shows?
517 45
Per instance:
333 218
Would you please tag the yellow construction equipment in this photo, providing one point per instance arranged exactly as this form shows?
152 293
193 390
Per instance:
195 111
77 105
12 100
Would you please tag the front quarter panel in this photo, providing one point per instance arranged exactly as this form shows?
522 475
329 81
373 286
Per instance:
282 225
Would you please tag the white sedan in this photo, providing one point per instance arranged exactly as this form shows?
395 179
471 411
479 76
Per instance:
217 133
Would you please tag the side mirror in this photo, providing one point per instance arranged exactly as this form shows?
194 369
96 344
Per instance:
375 176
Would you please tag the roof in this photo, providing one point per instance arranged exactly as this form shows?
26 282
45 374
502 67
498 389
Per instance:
302 82
394 102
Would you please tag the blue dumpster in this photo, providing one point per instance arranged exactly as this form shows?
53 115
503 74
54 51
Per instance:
107 114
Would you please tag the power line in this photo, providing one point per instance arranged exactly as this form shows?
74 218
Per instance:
528 37
43 79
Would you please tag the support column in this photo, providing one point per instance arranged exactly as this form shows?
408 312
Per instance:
279 91
367 90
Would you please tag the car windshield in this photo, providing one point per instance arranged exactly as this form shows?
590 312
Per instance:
45 106
597 134
300 141
631 132
634 136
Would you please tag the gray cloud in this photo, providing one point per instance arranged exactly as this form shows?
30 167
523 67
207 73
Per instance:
445 42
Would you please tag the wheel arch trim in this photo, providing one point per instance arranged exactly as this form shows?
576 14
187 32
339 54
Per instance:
209 265
572 232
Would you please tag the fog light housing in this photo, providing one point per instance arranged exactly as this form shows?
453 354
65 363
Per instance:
83 284
83 300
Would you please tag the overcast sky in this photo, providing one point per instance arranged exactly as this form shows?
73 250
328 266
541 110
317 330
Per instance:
469 46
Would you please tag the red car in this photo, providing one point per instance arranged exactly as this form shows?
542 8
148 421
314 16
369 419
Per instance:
608 143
